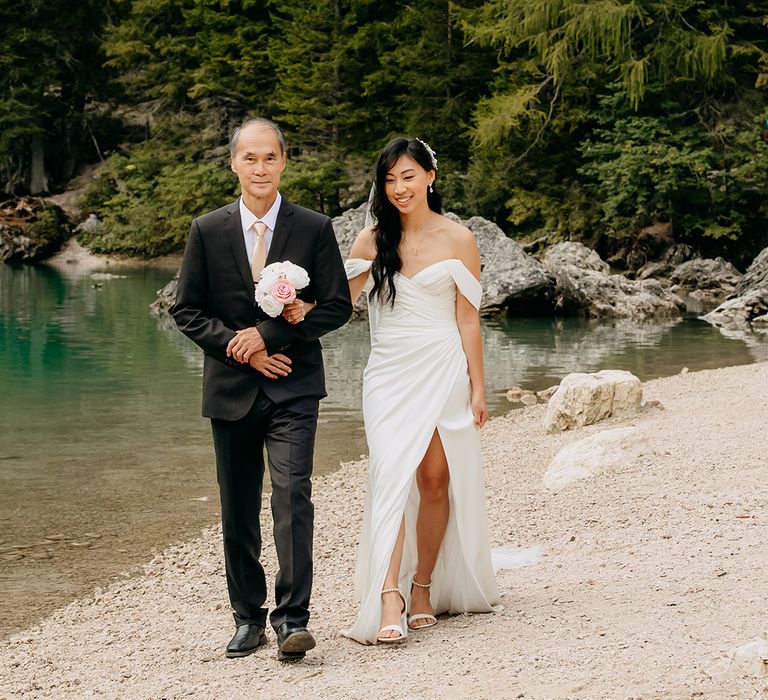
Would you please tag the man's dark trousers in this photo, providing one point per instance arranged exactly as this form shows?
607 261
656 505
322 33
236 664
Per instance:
288 432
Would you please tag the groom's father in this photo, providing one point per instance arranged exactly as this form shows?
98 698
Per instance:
262 379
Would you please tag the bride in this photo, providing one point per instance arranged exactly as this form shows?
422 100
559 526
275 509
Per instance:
424 546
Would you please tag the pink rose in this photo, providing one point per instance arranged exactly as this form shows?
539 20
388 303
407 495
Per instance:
283 291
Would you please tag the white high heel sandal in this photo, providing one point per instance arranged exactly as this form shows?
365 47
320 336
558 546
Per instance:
431 619
400 629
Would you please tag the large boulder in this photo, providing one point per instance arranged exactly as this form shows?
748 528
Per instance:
747 307
575 254
597 454
706 273
582 399
584 286
512 279
705 280
31 229
745 312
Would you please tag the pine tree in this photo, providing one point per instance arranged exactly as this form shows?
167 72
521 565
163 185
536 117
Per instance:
201 56
49 67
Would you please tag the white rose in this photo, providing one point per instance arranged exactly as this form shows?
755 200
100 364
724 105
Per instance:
269 275
271 306
296 275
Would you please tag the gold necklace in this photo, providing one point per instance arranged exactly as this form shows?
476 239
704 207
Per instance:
415 251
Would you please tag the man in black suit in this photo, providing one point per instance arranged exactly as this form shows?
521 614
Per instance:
262 379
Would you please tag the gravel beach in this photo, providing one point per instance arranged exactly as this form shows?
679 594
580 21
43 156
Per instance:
647 575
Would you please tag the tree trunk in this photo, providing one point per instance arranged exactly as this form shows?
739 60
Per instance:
38 181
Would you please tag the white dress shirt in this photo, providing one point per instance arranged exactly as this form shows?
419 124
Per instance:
248 218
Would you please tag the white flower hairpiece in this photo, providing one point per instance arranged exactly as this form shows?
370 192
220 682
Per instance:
430 151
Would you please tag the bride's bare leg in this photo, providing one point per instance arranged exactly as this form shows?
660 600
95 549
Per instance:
391 603
432 478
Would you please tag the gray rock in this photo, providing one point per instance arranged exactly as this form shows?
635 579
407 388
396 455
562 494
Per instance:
739 312
748 302
347 226
704 273
582 399
512 280
90 225
166 297
703 283
756 276
675 255
576 254
584 286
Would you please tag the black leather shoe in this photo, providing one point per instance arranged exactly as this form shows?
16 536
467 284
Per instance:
247 639
293 642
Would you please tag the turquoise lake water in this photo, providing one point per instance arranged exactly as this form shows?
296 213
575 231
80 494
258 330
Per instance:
104 457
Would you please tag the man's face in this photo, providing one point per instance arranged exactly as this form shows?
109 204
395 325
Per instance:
258 163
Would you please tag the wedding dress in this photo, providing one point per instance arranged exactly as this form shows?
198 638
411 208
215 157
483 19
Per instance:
416 382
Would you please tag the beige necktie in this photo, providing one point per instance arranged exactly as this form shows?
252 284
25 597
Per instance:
260 253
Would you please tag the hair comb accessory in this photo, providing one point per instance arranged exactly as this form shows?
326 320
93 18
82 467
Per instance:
430 151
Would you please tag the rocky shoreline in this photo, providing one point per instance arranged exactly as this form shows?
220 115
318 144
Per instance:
570 279
563 279
651 580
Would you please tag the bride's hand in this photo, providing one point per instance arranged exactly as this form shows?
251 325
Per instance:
479 410
297 310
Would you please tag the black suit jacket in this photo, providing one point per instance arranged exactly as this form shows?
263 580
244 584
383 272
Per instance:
215 298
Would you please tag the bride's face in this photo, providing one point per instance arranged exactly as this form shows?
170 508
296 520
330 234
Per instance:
406 184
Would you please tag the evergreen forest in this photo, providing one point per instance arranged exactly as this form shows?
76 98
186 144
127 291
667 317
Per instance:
562 119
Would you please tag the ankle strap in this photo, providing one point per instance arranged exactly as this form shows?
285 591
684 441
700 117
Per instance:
420 585
390 590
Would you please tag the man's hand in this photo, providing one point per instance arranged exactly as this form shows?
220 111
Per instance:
297 310
244 344
272 366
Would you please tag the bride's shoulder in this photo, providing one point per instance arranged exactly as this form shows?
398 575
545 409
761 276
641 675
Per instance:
463 244
365 245
459 235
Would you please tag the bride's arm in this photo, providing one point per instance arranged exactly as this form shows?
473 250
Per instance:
468 321
364 248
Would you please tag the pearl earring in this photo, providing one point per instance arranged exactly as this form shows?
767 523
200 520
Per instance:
430 188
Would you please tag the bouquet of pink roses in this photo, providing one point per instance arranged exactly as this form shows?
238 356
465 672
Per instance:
277 286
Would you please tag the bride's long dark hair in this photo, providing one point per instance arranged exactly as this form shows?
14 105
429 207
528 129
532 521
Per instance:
387 228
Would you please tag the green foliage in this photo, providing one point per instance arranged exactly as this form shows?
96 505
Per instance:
314 182
578 119
49 226
49 69
614 113
645 168
193 55
146 199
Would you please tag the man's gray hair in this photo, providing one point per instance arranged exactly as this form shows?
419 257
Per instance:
255 120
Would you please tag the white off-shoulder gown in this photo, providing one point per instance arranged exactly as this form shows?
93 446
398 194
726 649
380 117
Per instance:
416 382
